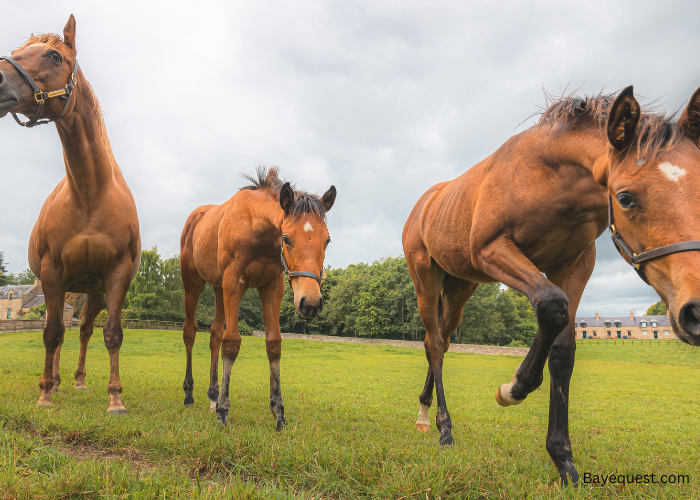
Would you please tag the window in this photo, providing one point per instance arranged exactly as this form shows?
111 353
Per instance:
607 324
654 324
575 325
608 333
666 333
618 324
9 314
583 324
10 297
643 324
644 333
595 334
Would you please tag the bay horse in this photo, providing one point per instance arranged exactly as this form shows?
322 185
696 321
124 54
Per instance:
263 231
86 238
528 216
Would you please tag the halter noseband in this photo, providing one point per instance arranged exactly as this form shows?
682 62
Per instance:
40 96
296 274
636 259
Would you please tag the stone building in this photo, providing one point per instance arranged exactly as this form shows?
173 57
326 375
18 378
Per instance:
17 300
624 327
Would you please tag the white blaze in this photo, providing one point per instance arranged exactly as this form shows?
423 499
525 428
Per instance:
307 227
673 172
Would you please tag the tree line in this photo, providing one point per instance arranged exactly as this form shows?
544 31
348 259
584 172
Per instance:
376 300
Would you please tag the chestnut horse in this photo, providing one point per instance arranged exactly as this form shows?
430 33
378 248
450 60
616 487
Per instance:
528 216
86 239
244 243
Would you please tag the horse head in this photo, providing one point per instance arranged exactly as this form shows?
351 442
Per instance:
49 63
654 188
304 242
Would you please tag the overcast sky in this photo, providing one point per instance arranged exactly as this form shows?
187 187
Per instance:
382 99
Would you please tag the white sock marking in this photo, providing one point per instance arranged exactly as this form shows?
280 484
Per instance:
307 227
673 172
424 415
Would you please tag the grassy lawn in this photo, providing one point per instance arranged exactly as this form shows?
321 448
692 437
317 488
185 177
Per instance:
351 411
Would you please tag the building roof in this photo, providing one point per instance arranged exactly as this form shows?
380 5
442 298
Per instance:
592 322
35 301
15 289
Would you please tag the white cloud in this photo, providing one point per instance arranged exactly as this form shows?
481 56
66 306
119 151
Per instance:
381 98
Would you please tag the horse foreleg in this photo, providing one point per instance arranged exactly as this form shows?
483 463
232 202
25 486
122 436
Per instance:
271 298
231 340
561 366
53 332
504 261
193 285
93 305
217 332
117 284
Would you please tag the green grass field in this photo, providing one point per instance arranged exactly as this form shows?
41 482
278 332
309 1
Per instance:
351 411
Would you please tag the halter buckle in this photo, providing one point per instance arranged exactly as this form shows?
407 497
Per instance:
39 97
612 229
74 78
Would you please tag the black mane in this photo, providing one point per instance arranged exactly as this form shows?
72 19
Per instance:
268 178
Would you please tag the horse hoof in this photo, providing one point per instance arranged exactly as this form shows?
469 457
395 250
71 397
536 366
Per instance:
506 401
117 411
189 400
222 417
281 423
447 440
423 427
81 388
44 404
212 405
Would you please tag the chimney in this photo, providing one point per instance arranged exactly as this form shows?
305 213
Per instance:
632 314
596 315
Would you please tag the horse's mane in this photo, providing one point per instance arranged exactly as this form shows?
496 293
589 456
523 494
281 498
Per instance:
268 178
656 131
55 41
50 39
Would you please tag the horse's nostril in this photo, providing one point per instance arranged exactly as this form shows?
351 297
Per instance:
689 317
302 304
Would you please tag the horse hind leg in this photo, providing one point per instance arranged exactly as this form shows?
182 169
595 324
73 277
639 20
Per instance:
217 331
454 296
93 306
193 285
56 366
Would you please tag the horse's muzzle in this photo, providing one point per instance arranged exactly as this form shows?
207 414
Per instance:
689 321
308 309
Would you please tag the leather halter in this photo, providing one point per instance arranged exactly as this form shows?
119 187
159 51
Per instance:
636 259
40 96
296 274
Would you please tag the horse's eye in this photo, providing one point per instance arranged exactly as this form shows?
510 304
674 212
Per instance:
626 200
328 241
56 57
286 240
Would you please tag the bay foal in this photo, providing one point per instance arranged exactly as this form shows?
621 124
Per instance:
242 244
536 206
87 238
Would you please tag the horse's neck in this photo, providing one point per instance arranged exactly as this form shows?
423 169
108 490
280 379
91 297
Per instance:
90 164
584 146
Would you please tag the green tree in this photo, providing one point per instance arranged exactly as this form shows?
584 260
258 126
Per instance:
4 278
147 290
373 317
657 309
25 277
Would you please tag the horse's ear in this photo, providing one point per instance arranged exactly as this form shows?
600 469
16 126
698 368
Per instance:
69 32
286 197
328 198
623 118
689 122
